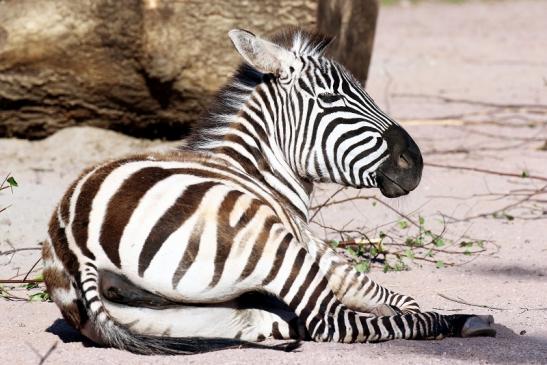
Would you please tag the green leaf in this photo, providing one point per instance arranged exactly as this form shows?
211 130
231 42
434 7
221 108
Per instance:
351 252
373 251
467 252
409 241
39 297
525 173
29 286
409 254
438 242
12 182
421 220
334 243
466 244
382 235
400 266
403 224
439 264
363 266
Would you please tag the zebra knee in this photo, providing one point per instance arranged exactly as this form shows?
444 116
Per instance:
404 304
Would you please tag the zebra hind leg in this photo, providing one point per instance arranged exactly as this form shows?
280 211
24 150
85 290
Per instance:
253 316
118 289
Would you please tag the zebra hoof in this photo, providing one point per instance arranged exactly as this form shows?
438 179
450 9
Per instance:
476 326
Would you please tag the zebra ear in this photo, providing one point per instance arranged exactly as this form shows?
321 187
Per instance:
265 56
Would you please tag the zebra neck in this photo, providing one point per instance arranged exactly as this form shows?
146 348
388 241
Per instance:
262 159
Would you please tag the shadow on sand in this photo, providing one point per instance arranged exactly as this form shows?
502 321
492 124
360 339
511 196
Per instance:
67 333
506 348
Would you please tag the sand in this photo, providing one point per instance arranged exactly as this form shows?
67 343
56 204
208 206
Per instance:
493 52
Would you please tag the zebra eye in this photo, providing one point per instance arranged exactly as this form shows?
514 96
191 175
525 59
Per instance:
329 98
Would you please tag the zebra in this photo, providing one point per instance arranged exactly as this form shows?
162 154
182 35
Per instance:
208 246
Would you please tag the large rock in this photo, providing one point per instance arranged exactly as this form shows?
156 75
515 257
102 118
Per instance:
144 67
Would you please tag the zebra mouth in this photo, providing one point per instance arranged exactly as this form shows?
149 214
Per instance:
389 187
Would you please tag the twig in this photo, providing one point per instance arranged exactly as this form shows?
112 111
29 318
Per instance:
461 301
485 171
32 268
44 357
447 99
19 281
9 252
325 203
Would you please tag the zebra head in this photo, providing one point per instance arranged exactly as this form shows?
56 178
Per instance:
327 126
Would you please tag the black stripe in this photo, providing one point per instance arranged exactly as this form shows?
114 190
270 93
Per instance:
278 261
295 270
303 287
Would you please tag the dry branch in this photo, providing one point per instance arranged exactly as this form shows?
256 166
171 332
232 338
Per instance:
486 171
461 301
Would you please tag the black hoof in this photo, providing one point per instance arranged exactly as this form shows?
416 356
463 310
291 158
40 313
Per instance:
479 326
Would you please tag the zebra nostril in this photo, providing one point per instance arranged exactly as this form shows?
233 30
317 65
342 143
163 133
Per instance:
404 161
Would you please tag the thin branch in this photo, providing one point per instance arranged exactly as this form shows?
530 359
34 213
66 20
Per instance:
9 252
19 281
32 268
461 301
447 99
486 171
325 203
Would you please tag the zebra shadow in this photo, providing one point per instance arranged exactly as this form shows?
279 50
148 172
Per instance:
68 334
506 348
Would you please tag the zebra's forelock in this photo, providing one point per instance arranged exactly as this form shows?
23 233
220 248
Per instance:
301 42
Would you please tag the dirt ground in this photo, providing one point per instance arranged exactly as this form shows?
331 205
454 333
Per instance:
426 57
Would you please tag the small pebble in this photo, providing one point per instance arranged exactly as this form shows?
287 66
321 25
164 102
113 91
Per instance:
522 333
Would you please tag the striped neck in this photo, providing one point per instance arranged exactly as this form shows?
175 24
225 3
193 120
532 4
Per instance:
249 142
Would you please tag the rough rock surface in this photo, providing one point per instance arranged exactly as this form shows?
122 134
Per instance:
144 67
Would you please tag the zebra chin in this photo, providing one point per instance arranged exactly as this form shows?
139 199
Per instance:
401 172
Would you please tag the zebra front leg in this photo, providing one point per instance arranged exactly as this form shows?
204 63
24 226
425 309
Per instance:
307 291
355 289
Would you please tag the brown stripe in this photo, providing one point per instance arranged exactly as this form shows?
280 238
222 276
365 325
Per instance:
84 202
123 204
60 246
276 333
258 247
226 233
183 208
190 253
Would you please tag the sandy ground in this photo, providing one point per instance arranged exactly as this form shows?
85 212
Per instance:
488 51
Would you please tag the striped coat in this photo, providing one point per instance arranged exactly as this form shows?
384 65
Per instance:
207 247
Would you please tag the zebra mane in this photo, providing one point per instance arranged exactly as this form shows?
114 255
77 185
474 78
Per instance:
233 95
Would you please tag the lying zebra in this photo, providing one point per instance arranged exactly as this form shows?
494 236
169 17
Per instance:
208 246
